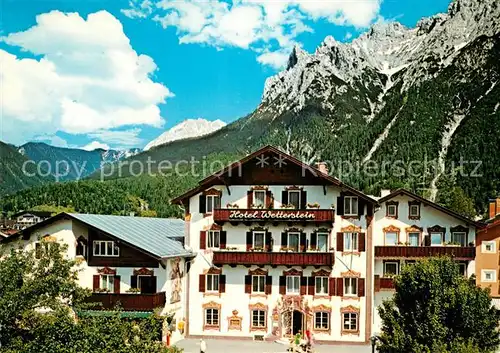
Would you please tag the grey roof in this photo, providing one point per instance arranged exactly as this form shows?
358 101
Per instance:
154 235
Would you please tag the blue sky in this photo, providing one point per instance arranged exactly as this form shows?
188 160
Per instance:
119 73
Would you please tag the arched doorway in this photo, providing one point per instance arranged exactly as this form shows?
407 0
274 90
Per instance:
297 322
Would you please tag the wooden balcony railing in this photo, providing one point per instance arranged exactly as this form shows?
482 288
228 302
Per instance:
277 215
401 251
128 302
273 258
383 283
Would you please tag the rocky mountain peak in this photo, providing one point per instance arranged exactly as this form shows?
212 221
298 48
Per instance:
296 55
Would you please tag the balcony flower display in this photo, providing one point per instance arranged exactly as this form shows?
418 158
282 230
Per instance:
133 291
313 205
232 205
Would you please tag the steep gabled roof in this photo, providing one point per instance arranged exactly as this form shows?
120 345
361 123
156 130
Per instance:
429 203
41 214
218 176
158 237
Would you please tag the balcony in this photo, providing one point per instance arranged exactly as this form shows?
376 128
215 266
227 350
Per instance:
383 283
276 215
273 258
401 251
128 302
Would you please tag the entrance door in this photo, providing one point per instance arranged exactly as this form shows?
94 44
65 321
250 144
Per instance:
297 320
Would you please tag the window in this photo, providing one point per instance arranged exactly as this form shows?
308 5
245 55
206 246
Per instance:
258 318
213 202
436 238
350 286
321 285
293 241
322 240
212 317
259 240
350 241
106 248
81 249
350 206
488 247
459 238
258 284
321 320
413 238
391 268
488 275
212 283
259 198
462 268
350 322
414 211
107 282
294 198
392 210
213 239
391 238
41 247
292 284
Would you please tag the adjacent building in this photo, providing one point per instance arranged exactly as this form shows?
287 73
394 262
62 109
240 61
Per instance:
25 219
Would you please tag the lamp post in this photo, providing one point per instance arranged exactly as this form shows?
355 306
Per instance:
373 340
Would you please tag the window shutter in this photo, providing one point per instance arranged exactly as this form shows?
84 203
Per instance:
361 287
377 283
340 205
116 284
202 284
203 239
153 283
303 199
303 242
38 251
362 242
269 245
223 239
303 285
369 209
133 281
222 283
249 199
361 207
311 286
248 284
340 241
249 241
284 239
314 240
96 283
427 240
269 284
331 286
284 197
269 199
340 287
203 204
282 285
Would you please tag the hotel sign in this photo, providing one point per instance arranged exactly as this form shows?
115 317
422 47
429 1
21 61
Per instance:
272 215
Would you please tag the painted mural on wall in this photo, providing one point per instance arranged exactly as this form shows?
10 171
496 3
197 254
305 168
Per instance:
176 277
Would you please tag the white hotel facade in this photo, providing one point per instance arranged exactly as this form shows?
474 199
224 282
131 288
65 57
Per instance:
282 246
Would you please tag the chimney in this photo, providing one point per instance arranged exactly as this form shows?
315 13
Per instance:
384 192
322 167
494 208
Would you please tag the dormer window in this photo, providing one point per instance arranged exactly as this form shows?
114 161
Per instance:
413 210
350 206
294 198
391 209
213 202
259 198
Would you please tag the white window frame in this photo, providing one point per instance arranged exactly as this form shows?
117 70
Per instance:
261 280
442 238
418 238
210 200
417 207
212 323
297 234
453 234
353 236
322 315
210 239
255 192
389 207
293 280
290 199
322 234
107 280
97 245
261 315
350 316
391 263
348 206
323 283
493 276
210 278
259 232
354 285
493 245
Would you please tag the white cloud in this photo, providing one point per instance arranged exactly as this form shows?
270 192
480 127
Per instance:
254 24
95 145
53 140
88 78
124 139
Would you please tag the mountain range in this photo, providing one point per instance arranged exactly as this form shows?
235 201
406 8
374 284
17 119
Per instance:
420 105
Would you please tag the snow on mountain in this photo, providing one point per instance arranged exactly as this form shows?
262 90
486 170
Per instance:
187 129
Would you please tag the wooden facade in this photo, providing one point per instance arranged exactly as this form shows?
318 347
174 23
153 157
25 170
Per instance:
273 258
401 251
128 302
